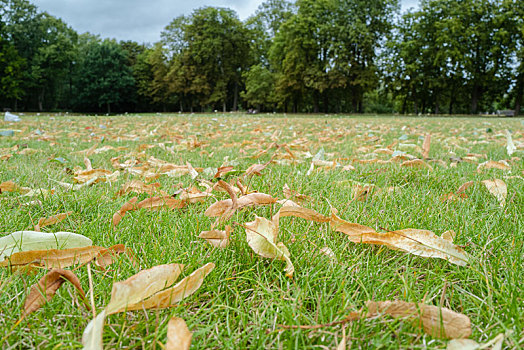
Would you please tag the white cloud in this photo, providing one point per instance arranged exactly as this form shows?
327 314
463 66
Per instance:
139 20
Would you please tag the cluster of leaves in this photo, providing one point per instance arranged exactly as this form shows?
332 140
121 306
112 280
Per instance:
264 196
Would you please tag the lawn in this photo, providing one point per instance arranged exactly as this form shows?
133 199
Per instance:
247 300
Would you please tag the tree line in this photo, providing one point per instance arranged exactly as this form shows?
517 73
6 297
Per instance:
330 56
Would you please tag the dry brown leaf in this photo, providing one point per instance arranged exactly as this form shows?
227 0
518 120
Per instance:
42 222
62 258
299 212
416 163
139 187
217 238
171 296
262 238
194 195
497 188
491 164
156 203
468 344
178 335
294 195
221 207
449 197
83 176
87 163
223 170
46 288
255 169
135 289
418 242
465 186
437 322
9 186
131 205
426 146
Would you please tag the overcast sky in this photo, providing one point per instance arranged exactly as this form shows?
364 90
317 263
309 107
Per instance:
139 20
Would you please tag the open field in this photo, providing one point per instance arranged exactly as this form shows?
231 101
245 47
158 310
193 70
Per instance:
247 299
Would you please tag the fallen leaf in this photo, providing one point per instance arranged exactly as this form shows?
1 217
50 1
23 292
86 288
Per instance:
262 238
223 170
426 146
468 344
62 258
42 222
139 187
414 241
416 163
217 238
221 207
123 210
178 335
465 186
33 240
491 164
156 203
294 195
171 296
497 188
142 291
46 288
436 321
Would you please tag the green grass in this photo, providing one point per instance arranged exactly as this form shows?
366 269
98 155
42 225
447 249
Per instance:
245 298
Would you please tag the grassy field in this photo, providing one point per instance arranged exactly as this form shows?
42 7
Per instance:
246 299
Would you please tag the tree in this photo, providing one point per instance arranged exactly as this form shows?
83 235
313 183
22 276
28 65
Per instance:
210 65
11 71
260 87
103 76
329 48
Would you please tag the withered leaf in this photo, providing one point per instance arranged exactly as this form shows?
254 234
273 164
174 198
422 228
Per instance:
62 258
437 322
144 291
497 188
122 211
178 335
221 207
426 146
262 238
217 238
491 164
42 222
414 241
46 288
139 187
34 240
171 296
416 163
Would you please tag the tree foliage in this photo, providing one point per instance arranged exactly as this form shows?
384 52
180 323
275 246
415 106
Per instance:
304 56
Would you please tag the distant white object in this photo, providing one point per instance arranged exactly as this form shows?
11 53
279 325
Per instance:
510 146
10 117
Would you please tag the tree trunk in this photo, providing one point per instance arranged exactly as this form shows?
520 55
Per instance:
315 102
108 108
41 100
475 99
326 102
235 97
181 107
519 92
224 109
